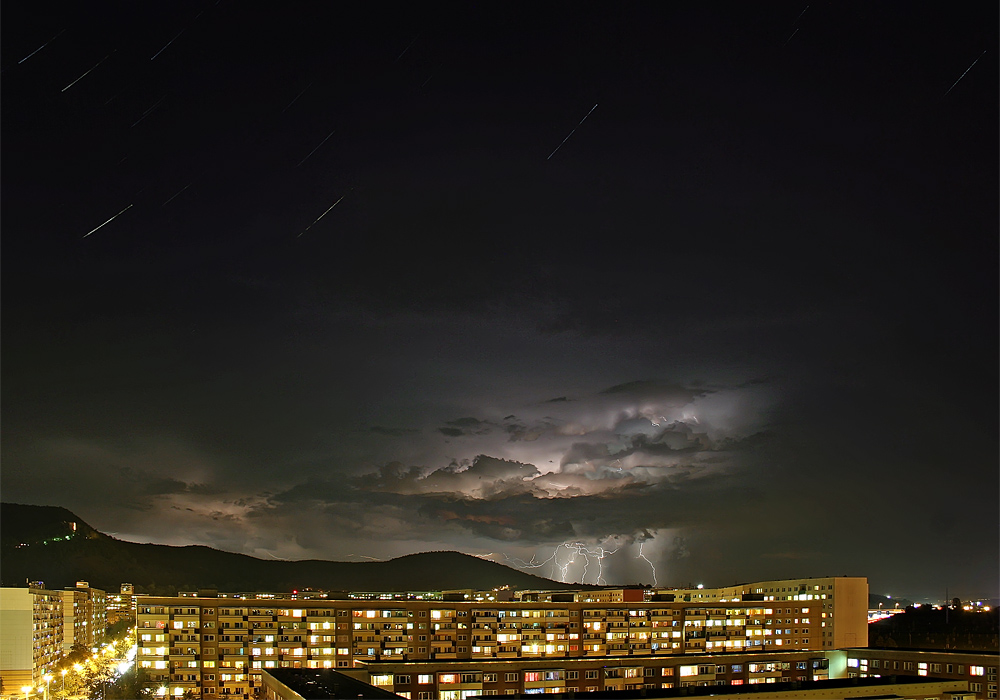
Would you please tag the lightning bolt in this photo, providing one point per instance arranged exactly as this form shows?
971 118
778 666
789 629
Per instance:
573 550
643 557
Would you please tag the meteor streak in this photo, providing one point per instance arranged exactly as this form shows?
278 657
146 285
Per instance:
317 147
40 48
108 221
963 74
149 111
297 97
572 132
168 43
320 216
407 47
85 74
178 194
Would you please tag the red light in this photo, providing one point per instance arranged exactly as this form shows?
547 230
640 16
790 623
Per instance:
295 592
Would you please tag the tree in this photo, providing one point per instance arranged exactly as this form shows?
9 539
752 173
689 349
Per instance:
129 686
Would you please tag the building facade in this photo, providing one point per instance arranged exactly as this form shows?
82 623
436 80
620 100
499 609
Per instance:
419 680
217 646
121 605
84 612
31 636
980 670
300 684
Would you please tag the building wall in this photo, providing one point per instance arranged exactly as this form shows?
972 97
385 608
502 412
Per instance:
215 644
979 669
84 617
426 681
840 599
448 681
121 606
30 635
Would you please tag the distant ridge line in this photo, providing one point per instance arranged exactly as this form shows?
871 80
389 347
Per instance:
38 543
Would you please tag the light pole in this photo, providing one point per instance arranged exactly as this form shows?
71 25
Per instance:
64 681
48 679
26 689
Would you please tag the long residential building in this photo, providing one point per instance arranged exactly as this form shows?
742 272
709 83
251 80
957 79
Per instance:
217 646
31 635
433 680
84 612
301 684
979 669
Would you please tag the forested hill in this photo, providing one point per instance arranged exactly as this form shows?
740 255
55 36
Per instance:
39 543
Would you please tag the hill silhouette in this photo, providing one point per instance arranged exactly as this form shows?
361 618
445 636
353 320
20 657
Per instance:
51 544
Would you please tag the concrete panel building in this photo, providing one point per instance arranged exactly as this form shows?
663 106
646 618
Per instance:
84 616
31 636
218 646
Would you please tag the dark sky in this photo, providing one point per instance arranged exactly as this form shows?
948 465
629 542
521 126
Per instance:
742 323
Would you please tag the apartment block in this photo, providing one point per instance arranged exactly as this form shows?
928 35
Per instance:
300 684
84 612
31 635
218 646
980 670
968 673
121 605
839 625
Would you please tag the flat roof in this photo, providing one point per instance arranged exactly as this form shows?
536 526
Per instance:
322 684
876 684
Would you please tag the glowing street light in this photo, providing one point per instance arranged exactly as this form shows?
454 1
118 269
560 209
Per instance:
64 680
26 689
48 679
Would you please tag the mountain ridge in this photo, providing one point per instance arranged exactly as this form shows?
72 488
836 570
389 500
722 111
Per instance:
53 545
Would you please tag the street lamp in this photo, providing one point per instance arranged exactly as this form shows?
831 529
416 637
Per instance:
26 689
64 680
48 679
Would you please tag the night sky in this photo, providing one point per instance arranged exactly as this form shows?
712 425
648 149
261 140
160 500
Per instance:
710 286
